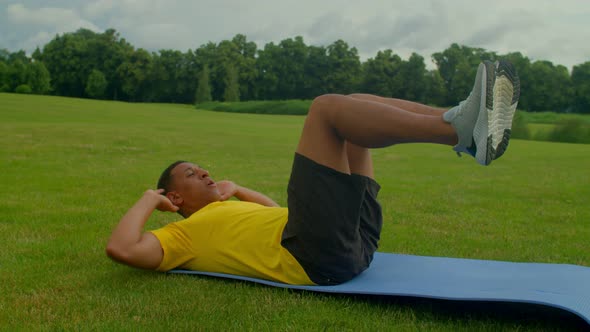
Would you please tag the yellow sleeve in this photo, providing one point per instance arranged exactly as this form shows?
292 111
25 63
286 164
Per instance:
176 246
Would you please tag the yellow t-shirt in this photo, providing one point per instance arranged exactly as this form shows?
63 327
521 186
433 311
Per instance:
233 237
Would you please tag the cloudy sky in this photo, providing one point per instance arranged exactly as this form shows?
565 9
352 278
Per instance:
558 31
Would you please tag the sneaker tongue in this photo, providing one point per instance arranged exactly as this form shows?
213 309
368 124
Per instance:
451 114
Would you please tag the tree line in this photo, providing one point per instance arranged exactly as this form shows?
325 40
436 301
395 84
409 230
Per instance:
105 66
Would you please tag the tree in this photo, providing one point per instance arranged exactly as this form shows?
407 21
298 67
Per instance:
65 58
37 55
232 85
581 86
344 68
133 74
96 84
552 90
162 77
39 79
457 66
246 63
203 93
282 69
379 74
206 54
4 77
413 78
435 90
172 77
24 89
315 72
188 74
4 55
18 73
71 57
18 56
267 67
462 83
105 65
106 52
522 64
237 53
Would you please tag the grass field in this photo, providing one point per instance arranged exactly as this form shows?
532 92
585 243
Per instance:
70 168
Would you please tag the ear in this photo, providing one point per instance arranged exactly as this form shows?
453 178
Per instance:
175 198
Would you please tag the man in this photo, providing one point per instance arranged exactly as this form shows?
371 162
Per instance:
333 222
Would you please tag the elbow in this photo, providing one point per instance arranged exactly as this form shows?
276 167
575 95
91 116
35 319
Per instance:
145 254
116 253
110 251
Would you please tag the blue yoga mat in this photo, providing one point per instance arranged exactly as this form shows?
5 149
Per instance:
562 286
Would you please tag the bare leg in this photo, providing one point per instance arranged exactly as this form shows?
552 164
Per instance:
359 160
401 103
335 119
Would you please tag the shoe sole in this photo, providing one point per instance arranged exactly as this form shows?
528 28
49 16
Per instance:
481 128
492 129
506 95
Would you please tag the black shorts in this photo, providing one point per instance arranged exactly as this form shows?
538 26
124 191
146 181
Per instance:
334 221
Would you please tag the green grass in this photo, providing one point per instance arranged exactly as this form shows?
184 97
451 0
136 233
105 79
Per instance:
552 117
541 131
70 168
282 107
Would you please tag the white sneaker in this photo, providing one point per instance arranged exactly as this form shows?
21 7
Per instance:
483 120
506 93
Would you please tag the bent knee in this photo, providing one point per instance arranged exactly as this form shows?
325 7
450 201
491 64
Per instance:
325 104
357 95
327 99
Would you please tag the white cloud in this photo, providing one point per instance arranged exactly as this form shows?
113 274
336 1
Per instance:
42 24
39 39
163 36
47 17
555 31
98 8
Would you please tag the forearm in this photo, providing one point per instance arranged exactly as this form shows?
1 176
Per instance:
249 195
130 228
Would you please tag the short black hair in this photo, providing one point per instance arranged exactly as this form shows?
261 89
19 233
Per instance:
166 178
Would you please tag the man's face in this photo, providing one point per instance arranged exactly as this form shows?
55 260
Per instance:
192 187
